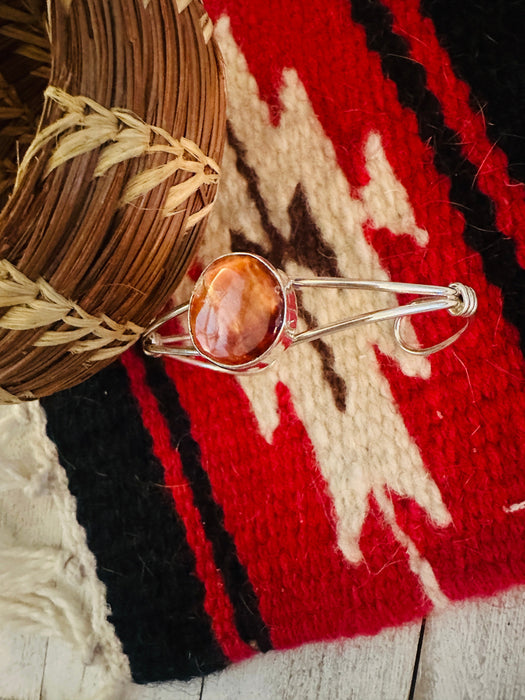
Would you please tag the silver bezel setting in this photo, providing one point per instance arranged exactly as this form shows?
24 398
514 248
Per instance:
284 337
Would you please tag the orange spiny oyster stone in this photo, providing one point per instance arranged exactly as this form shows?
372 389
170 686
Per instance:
236 310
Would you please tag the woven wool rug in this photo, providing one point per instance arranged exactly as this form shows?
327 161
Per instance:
353 486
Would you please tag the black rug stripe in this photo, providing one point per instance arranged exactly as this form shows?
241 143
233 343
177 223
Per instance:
484 39
498 252
248 619
156 598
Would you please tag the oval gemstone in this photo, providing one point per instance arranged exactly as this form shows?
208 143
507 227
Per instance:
236 310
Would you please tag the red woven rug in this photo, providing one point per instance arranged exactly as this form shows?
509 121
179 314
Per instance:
354 486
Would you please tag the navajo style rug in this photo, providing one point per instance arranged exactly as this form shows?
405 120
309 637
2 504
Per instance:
352 486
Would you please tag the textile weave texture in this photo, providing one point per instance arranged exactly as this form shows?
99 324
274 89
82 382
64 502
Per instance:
352 486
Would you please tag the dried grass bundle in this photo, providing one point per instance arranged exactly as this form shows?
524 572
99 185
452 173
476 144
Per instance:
104 206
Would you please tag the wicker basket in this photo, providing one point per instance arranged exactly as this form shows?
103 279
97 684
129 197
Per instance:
105 205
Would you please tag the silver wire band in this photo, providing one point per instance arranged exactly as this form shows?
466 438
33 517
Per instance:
150 341
457 298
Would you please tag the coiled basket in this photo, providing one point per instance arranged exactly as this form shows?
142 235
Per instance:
112 122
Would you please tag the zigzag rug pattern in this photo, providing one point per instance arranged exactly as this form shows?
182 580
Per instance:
352 487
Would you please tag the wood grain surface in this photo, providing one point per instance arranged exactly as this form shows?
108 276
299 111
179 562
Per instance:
473 650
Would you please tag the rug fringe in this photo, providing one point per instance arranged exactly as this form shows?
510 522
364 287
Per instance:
48 581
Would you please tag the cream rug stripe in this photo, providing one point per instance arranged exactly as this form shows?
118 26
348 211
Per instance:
354 457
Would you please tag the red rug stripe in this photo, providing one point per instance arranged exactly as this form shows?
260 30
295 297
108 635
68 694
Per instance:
217 604
275 505
471 439
492 163
470 436
289 37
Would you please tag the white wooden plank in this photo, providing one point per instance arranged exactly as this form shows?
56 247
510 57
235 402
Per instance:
365 668
67 677
21 666
176 690
476 651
